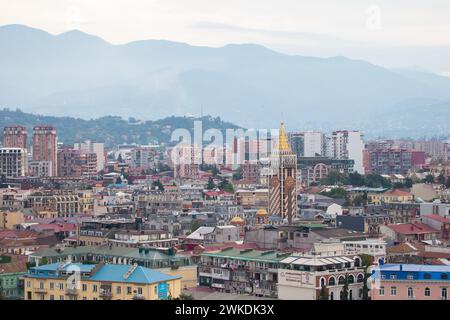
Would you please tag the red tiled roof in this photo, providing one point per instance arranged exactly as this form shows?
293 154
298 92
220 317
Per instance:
412 228
437 217
56 227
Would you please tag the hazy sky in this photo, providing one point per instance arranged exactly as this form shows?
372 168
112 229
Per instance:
392 33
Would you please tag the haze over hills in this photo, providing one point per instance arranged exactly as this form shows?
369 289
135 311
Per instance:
80 75
112 130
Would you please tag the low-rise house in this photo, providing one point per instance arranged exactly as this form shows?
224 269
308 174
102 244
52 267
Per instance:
99 282
245 271
390 196
439 223
165 260
12 268
415 231
410 282
366 222
302 276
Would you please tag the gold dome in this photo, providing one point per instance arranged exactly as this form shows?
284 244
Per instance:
262 213
237 220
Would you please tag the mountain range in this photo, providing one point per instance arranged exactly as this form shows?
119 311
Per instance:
79 75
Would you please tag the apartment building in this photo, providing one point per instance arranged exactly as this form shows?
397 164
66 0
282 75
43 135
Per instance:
241 271
76 281
13 162
15 137
410 282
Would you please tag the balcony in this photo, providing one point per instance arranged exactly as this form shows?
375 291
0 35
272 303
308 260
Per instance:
71 292
106 295
40 290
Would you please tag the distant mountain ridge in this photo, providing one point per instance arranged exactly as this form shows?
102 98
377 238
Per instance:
110 130
80 75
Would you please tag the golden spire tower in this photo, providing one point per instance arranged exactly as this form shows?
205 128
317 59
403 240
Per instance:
283 179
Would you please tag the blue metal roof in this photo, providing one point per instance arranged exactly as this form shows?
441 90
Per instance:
116 272
414 268
417 272
107 272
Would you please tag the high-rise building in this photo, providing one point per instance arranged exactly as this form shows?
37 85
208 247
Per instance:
307 143
15 137
93 147
347 145
13 162
45 146
283 179
75 163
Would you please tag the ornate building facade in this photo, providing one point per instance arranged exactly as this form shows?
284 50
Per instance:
282 183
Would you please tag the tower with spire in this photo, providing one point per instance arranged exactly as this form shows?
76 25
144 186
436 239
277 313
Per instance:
283 179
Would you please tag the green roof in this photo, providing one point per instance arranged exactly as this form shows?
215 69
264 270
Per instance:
133 253
248 254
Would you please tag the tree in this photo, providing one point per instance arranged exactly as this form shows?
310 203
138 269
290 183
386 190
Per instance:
335 193
158 184
119 158
358 200
226 186
119 180
366 262
324 294
408 183
211 185
429 179
344 295
441 179
447 184
238 174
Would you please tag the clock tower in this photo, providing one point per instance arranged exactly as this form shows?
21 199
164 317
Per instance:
283 179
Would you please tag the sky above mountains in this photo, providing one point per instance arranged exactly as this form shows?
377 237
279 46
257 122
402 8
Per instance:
394 34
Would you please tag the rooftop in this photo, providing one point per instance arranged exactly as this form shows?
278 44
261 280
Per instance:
411 228
248 254
107 272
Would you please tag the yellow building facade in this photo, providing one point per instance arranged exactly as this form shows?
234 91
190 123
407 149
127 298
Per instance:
72 281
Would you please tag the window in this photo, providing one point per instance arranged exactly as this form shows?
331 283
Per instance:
393 276
61 297
52 286
94 288
341 280
52 297
128 290
139 290
360 278
381 291
393 291
427 292
332 281
351 279
28 284
84 287
444 294
444 276
410 293
118 290
156 290
410 276
61 286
